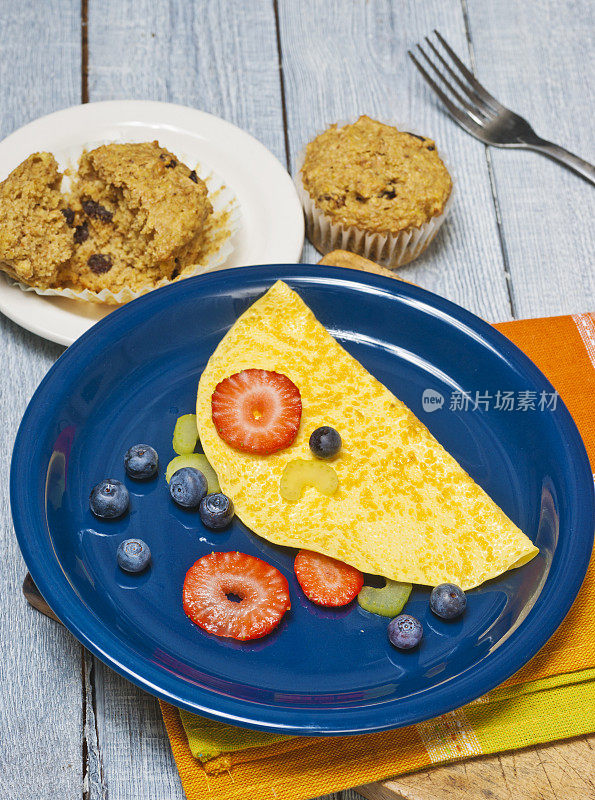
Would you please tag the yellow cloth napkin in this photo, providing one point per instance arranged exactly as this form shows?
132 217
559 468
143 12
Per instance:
552 697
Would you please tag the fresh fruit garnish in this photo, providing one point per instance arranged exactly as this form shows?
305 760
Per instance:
388 600
405 632
109 499
299 473
141 462
448 601
257 411
216 511
187 487
325 442
133 555
198 461
235 595
185 435
327 581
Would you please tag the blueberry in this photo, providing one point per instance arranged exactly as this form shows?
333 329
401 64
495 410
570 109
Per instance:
216 511
133 555
141 462
109 499
448 601
325 442
187 487
405 632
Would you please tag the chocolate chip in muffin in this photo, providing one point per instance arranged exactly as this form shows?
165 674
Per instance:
360 199
176 271
389 194
96 210
193 176
99 263
68 214
172 162
81 233
430 147
416 136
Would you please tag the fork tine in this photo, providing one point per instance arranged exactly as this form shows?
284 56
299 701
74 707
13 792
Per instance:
481 91
474 112
462 117
482 106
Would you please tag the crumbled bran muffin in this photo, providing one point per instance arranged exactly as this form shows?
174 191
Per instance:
35 240
135 216
140 216
374 177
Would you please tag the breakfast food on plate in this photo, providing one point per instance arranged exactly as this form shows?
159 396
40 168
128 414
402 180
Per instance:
405 632
387 600
325 442
257 411
313 453
133 555
185 435
141 462
187 487
198 461
326 581
300 473
216 511
214 584
448 601
373 189
134 218
35 238
403 507
109 499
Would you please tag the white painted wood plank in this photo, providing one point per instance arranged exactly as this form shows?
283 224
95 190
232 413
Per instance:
537 58
341 60
136 756
40 663
221 58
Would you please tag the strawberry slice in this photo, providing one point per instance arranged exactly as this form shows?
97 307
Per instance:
257 411
235 595
325 580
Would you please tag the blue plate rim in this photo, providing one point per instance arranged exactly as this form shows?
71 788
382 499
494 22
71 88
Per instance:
540 623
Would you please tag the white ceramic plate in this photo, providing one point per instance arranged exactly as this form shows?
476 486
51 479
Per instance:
271 225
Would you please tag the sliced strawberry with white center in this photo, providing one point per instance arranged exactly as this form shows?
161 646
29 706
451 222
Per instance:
325 580
257 411
235 595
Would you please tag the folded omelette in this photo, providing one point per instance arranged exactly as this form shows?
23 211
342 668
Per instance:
404 509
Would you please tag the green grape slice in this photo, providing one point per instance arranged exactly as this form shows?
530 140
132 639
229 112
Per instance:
388 601
199 461
185 435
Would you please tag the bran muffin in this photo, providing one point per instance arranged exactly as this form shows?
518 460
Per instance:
35 240
140 217
135 217
373 189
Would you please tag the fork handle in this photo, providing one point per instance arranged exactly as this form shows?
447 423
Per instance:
565 157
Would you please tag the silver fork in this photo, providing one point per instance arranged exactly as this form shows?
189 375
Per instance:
481 115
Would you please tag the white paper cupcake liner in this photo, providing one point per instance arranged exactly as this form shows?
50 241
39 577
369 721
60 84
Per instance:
226 217
387 249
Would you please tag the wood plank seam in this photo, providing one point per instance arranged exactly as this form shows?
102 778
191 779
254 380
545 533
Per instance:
492 180
282 86
94 782
84 51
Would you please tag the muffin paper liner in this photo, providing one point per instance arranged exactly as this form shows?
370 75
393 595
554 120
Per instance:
226 217
387 249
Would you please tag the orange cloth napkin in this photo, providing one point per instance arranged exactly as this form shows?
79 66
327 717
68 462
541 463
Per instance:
304 767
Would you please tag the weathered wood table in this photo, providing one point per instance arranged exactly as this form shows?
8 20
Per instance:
519 243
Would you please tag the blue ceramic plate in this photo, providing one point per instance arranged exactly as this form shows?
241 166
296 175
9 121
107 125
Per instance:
321 671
